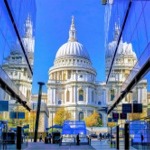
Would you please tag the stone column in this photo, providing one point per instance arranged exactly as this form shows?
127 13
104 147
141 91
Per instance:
139 94
87 95
55 76
144 96
51 95
54 96
104 96
59 75
66 74
72 94
104 119
75 94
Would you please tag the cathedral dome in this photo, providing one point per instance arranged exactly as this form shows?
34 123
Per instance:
72 47
124 48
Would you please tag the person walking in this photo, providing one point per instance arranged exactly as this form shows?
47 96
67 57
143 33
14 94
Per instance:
78 139
100 136
142 139
40 137
50 138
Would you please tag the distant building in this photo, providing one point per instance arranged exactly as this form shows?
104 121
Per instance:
43 97
44 113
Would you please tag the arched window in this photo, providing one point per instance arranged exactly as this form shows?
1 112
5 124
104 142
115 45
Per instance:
28 94
112 94
81 97
92 96
100 115
99 102
81 115
59 102
67 96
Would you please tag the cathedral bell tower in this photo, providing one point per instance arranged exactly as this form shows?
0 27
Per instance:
28 40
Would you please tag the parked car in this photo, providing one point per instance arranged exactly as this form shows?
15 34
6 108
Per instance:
56 137
93 135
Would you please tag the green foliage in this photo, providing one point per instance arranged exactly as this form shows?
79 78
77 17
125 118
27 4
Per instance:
54 130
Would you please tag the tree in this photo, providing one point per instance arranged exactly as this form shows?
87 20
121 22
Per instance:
134 116
29 118
93 120
137 116
1 116
61 115
111 124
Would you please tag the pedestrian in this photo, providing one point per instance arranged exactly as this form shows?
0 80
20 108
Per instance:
100 136
142 138
31 137
78 139
50 137
40 137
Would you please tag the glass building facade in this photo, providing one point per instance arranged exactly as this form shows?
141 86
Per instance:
15 20
127 38
17 30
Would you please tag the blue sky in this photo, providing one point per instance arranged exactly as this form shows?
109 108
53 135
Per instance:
53 19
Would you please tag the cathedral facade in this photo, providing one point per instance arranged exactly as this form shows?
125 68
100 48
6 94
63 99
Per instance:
72 82
16 68
123 65
15 64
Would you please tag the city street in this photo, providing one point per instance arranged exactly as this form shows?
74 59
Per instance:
74 75
95 145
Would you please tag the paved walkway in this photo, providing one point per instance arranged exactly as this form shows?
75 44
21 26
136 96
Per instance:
95 145
101 145
43 146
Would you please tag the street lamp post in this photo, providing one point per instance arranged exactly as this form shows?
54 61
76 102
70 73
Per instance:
52 111
76 95
38 110
33 117
52 121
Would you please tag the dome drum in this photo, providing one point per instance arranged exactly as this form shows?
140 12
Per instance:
75 69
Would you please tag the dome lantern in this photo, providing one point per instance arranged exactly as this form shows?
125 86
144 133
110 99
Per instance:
72 31
72 47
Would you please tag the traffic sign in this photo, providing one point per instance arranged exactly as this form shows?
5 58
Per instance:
21 115
3 105
115 116
137 108
26 126
109 119
126 108
17 115
123 116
